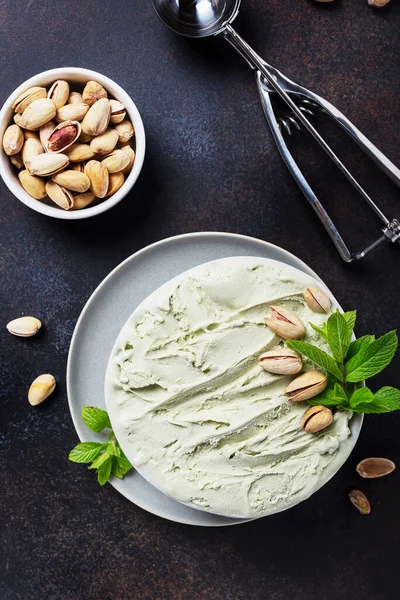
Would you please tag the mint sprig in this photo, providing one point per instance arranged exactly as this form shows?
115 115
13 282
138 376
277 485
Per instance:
351 363
107 458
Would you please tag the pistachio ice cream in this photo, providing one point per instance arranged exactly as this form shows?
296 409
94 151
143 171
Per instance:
193 408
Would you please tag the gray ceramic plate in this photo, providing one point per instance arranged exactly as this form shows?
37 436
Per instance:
108 309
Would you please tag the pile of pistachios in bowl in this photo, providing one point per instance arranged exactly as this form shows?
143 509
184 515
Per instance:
70 147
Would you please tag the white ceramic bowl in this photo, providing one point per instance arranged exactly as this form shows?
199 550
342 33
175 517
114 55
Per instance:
79 77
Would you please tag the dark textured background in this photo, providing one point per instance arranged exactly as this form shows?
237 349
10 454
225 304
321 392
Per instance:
210 165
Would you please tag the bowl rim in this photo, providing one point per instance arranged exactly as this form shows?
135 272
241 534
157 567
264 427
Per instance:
6 169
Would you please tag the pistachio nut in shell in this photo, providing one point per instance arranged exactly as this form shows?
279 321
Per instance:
99 178
17 119
71 112
47 164
31 149
131 154
317 418
118 112
79 152
360 501
317 300
24 326
38 113
93 92
44 133
63 136
16 160
60 196
125 131
41 388
97 118
13 140
34 186
105 143
378 3
26 98
117 161
116 181
75 181
281 361
285 323
59 93
306 386
83 200
75 98
371 468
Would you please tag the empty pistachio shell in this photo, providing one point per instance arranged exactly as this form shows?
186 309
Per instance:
24 326
62 197
44 133
41 388
27 97
38 113
117 161
360 501
63 136
97 118
317 418
317 300
118 112
13 140
99 178
46 164
71 112
285 323
31 149
93 92
131 154
75 181
16 160
116 181
306 386
83 200
105 143
281 361
79 152
59 93
370 468
125 131
34 186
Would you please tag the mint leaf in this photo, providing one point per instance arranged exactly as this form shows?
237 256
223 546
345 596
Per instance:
114 449
358 344
104 471
85 452
95 418
339 334
385 400
372 358
319 357
321 330
335 396
120 466
350 318
362 396
100 460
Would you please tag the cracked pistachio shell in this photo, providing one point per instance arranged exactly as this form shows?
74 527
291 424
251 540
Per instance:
60 196
79 152
75 98
83 200
75 181
97 118
317 418
26 98
93 92
105 143
34 186
373 467
63 136
118 112
317 300
24 326
285 323
117 161
38 113
13 140
31 149
360 501
99 178
41 388
116 181
125 131
59 93
306 386
281 361
71 112
131 154
46 164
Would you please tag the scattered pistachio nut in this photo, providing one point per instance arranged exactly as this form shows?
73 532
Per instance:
306 386
378 3
59 93
34 186
83 200
79 152
93 92
13 140
97 118
125 131
281 361
285 323
99 178
75 181
46 164
360 501
116 181
60 196
118 112
38 113
317 418
63 136
24 326
105 143
41 388
116 161
26 98
371 468
71 112
75 98
317 300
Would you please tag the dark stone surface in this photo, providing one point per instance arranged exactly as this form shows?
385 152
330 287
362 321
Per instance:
211 165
